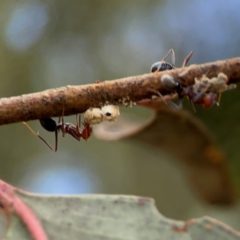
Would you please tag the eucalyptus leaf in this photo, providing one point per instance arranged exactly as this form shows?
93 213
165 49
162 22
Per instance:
110 217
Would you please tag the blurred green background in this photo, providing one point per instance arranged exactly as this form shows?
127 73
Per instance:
53 43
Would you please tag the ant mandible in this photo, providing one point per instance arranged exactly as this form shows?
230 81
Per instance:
50 125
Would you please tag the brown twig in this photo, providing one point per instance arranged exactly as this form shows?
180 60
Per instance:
77 99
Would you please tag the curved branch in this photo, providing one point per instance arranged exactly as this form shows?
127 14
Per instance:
77 99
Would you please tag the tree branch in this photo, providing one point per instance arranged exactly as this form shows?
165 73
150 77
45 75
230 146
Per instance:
77 99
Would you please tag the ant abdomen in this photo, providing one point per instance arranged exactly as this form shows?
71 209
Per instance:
170 83
48 124
161 66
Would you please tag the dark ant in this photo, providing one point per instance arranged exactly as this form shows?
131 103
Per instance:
162 65
168 81
206 91
50 125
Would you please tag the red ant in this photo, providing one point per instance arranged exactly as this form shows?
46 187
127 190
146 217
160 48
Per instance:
50 125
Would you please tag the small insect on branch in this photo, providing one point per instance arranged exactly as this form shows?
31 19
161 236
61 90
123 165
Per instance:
91 116
66 128
168 81
205 91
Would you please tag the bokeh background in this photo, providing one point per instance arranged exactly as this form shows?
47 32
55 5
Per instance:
53 43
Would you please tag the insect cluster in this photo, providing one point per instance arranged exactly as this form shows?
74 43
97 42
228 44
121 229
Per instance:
205 91
91 116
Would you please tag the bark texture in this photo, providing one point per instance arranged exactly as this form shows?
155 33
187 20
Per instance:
77 99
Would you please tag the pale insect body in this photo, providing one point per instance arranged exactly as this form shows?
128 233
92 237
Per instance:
219 84
207 91
207 85
93 116
97 115
110 112
197 90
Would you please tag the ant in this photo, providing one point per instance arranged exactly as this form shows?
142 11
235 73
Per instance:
206 91
50 125
168 81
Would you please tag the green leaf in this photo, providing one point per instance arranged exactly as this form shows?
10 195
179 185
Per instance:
95 217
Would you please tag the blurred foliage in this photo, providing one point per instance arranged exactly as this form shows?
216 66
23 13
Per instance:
96 217
47 44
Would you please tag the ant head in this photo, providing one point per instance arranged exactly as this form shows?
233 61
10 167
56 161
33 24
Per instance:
87 131
161 66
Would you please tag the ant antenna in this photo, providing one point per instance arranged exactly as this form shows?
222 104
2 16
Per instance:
187 58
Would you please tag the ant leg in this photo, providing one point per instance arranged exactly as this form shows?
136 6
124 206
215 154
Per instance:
78 122
56 140
171 51
37 135
219 98
171 104
61 120
191 104
187 58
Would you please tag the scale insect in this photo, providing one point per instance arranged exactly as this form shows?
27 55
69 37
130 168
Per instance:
66 128
207 91
97 115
